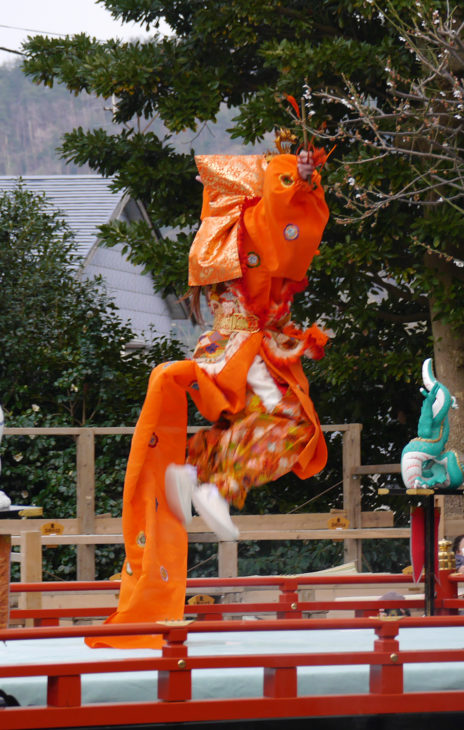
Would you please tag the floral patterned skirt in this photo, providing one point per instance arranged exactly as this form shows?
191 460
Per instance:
250 448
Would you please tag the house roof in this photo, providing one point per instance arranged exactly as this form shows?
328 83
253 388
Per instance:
86 201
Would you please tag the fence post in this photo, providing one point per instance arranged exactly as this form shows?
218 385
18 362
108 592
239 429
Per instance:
175 685
31 570
227 559
85 465
445 589
289 596
387 677
280 682
5 550
64 691
352 490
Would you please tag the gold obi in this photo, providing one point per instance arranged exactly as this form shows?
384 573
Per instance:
236 322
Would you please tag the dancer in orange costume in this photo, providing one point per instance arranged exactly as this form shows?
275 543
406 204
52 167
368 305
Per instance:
262 222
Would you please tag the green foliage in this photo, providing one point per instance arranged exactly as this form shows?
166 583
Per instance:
63 362
202 560
288 557
291 557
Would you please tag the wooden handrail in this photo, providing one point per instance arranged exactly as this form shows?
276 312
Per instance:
121 430
365 469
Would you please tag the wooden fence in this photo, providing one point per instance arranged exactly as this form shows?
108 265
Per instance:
88 529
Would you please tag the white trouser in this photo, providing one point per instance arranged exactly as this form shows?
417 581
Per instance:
263 384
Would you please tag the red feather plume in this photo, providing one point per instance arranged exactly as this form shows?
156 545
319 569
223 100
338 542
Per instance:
293 102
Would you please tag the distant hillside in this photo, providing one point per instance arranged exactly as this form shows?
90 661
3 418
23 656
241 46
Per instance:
34 118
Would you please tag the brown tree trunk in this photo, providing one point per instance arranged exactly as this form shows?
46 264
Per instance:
449 370
448 360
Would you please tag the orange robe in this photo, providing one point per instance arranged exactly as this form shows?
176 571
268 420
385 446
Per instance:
261 227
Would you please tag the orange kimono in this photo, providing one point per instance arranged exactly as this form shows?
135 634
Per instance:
261 227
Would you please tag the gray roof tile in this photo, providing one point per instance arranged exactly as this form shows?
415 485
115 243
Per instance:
86 201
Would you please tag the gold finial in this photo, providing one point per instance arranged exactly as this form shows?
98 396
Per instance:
446 557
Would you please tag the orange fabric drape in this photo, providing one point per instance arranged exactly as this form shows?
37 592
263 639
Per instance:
155 570
267 245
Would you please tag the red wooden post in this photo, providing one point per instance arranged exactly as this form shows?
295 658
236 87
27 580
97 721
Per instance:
387 678
175 685
280 682
64 691
445 589
289 595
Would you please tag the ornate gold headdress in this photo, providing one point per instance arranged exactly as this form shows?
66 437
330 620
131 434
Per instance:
285 140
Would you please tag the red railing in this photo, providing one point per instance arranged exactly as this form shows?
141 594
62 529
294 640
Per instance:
385 695
287 606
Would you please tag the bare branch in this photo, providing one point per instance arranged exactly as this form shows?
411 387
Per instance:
421 121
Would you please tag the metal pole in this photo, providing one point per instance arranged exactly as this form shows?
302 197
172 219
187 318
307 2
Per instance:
429 550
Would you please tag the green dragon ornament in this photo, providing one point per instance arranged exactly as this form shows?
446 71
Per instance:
424 461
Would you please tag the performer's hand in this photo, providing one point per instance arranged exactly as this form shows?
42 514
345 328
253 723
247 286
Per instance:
305 164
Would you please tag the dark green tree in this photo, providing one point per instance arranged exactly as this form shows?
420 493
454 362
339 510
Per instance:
63 343
62 362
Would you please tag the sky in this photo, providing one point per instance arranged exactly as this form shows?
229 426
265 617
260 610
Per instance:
20 18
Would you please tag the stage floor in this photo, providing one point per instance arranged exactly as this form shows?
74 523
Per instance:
243 682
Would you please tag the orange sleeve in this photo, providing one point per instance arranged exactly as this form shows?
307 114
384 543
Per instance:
287 224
